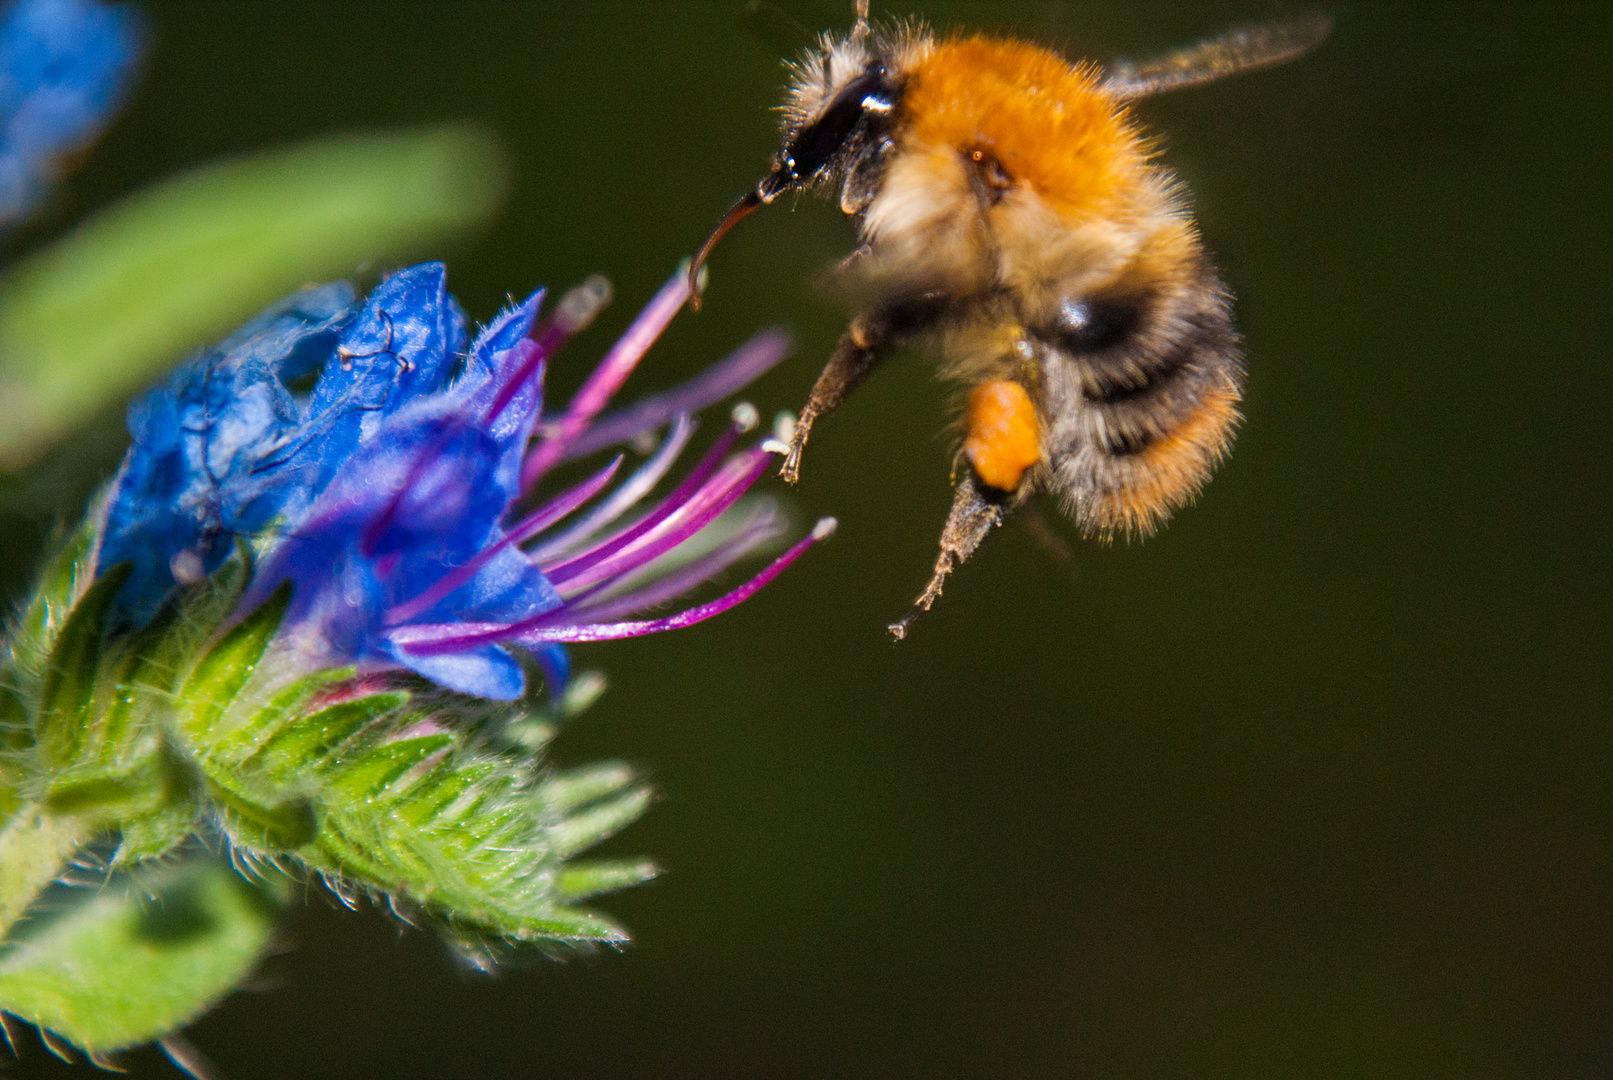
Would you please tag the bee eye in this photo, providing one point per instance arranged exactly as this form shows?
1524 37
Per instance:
813 146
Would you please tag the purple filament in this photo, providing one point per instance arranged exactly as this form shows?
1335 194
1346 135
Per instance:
717 495
743 366
634 488
437 639
668 506
762 527
607 377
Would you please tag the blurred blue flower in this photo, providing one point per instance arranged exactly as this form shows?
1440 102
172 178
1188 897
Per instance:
390 472
65 67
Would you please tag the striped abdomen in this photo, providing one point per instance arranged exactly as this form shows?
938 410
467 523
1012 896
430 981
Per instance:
1140 389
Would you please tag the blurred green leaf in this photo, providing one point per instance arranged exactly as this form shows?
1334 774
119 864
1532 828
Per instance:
130 964
97 314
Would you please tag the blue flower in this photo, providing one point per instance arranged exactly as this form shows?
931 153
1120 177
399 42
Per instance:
390 473
65 67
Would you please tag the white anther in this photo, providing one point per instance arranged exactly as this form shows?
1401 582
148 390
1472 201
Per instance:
745 416
187 566
581 305
784 427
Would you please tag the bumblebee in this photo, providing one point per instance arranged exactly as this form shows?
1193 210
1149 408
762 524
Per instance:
1013 222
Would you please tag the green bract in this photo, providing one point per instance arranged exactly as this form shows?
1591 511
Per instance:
122 745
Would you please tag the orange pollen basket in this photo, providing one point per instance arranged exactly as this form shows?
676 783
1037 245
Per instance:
1002 440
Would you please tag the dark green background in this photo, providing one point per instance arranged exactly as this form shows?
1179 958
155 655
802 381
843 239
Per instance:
1313 784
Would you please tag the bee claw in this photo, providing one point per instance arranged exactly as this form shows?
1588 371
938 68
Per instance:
932 593
971 518
790 471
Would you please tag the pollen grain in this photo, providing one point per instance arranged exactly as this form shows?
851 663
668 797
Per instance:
1003 440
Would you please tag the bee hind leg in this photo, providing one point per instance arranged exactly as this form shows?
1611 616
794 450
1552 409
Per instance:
972 516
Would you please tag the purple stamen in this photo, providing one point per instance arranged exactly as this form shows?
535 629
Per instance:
719 494
738 370
531 356
632 490
575 311
456 637
541 518
763 526
607 377
669 505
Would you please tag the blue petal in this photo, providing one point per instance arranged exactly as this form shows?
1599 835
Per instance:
494 359
208 459
412 504
425 478
65 66
423 495
487 672
555 662
298 333
337 602
508 588
500 335
400 347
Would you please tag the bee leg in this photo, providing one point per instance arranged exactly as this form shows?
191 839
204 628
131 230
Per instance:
972 517
856 355
1052 544
847 266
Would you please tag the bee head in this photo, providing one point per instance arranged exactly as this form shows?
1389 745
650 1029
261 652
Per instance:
840 99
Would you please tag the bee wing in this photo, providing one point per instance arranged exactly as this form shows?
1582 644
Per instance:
776 28
1243 48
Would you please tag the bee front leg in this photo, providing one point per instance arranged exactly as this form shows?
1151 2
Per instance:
972 516
860 349
843 269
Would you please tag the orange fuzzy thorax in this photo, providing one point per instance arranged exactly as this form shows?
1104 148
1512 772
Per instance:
1047 122
1002 441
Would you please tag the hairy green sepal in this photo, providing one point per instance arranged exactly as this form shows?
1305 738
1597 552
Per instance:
125 742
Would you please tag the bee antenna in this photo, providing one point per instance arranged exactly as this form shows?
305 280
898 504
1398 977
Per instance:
737 213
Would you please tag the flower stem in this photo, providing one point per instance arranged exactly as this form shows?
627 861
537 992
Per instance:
35 846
